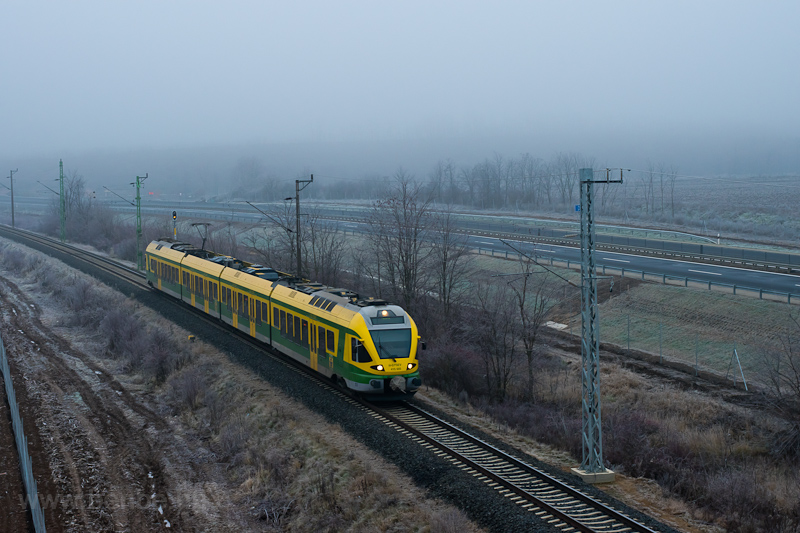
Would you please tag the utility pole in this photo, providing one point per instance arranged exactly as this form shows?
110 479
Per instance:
62 201
11 177
592 469
138 183
297 189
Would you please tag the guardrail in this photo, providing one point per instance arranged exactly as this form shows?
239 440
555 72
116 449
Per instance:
25 465
663 278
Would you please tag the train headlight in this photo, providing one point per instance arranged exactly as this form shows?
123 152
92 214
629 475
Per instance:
410 366
379 368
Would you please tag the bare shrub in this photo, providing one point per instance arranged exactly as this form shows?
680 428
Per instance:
187 388
737 495
626 435
125 249
82 299
122 331
449 521
34 261
324 487
163 356
217 408
48 278
234 435
276 464
157 362
274 510
14 259
453 369
546 422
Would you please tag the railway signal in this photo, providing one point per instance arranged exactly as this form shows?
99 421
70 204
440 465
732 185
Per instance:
175 225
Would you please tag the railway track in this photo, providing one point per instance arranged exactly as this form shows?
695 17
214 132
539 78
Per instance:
558 503
104 264
561 505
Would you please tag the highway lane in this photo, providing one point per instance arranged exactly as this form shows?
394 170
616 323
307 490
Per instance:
677 269
674 269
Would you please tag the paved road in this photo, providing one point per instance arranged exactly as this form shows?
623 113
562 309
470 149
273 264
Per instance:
701 272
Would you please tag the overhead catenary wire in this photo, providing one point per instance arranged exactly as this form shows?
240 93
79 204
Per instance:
523 254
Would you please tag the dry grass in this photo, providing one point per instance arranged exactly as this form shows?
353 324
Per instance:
283 467
680 322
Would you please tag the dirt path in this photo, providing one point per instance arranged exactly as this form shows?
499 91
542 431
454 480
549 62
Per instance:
94 448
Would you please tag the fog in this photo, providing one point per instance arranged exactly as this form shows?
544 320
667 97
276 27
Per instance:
183 90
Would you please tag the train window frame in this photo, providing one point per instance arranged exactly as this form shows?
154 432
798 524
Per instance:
330 341
359 352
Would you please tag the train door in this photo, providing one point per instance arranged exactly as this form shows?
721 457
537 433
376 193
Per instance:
206 293
251 316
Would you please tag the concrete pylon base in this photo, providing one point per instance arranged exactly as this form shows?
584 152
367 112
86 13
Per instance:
604 476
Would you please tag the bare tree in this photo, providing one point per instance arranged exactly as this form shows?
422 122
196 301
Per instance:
497 330
451 264
324 249
534 300
401 223
783 373
672 175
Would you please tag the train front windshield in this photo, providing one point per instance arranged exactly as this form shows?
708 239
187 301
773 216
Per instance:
392 343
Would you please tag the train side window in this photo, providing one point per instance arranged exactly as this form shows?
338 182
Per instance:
258 312
359 351
284 329
321 339
265 312
304 333
276 318
245 306
186 279
296 329
330 345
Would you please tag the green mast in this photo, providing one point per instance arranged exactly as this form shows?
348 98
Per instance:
62 201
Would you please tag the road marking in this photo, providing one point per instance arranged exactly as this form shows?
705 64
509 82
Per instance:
484 242
618 260
704 272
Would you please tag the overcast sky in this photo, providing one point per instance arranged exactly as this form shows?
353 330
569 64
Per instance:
615 80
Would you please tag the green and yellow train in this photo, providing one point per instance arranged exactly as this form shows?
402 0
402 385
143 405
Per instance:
366 345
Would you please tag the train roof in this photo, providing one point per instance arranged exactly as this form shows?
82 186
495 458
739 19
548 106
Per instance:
322 295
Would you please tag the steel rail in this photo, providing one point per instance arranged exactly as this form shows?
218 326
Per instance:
586 514
104 263
607 519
